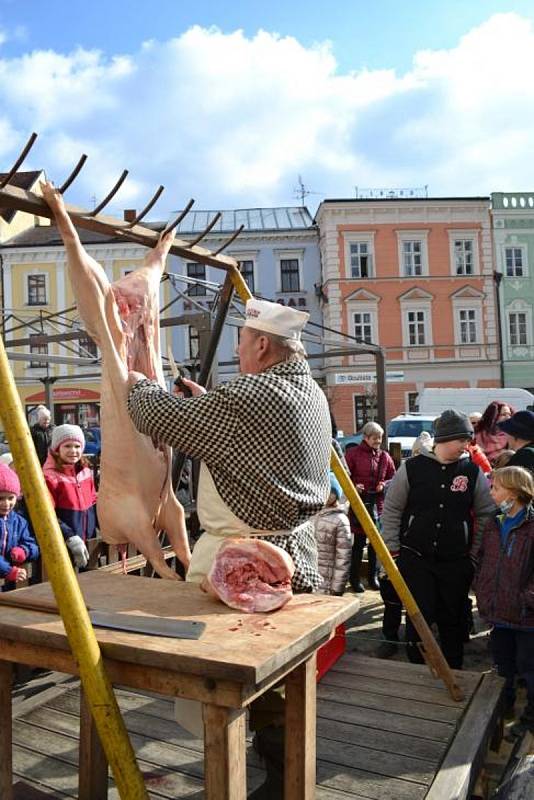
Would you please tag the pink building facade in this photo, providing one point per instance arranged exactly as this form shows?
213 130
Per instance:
416 277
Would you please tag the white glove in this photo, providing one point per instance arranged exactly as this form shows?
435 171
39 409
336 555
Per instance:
79 551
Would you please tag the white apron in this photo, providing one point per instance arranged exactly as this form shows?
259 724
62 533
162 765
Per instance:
219 522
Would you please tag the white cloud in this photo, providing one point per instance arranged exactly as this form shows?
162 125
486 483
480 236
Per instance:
232 120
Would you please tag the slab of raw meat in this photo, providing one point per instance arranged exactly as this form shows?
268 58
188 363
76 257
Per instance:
252 575
135 499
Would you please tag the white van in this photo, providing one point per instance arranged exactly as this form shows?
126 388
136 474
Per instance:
405 428
435 401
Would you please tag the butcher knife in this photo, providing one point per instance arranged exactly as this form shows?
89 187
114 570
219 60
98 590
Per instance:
132 623
153 626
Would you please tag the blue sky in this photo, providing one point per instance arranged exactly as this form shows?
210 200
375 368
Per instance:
344 93
377 34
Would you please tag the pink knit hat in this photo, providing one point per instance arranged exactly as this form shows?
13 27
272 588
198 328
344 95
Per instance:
66 433
9 481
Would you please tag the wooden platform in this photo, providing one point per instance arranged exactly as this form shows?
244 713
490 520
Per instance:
386 730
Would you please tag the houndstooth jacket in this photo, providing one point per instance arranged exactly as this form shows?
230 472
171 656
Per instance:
265 439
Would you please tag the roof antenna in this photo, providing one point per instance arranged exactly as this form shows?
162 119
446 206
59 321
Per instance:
301 192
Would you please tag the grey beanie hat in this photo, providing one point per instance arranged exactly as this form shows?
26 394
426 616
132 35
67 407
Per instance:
452 425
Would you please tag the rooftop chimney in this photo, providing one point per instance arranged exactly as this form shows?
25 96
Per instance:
129 214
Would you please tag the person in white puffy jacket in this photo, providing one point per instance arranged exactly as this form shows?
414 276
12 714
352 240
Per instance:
334 542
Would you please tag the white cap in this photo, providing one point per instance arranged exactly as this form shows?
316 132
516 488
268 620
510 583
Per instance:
275 318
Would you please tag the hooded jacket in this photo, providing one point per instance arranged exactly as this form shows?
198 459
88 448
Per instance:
504 579
334 548
14 532
435 509
74 496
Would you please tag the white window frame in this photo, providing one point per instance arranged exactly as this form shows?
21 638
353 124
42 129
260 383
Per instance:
467 322
413 236
417 304
191 289
465 235
372 323
519 307
420 318
33 274
524 257
467 304
360 237
250 256
365 304
282 255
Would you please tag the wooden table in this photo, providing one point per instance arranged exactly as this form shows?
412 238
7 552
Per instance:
238 657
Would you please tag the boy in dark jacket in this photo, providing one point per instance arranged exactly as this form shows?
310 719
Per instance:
17 545
504 584
434 506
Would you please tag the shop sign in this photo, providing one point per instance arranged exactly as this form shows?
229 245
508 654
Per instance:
65 393
344 378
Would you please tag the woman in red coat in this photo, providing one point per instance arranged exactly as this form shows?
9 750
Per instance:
370 468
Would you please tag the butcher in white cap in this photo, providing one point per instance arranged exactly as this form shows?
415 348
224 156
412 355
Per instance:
263 441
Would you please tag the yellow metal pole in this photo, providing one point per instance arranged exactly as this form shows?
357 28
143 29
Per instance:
82 640
240 284
432 653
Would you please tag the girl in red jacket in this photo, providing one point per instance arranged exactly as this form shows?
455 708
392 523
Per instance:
71 484
504 584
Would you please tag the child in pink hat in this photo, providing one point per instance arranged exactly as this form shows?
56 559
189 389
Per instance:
70 482
17 545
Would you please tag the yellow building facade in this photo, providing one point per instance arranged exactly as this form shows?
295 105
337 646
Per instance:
38 301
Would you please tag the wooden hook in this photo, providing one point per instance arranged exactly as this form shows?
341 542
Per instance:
108 197
147 208
178 219
225 244
73 175
18 162
206 230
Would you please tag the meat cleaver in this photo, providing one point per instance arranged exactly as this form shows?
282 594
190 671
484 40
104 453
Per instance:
133 623
153 626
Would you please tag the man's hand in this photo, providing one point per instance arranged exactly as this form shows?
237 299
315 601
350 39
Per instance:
196 389
360 487
135 377
380 486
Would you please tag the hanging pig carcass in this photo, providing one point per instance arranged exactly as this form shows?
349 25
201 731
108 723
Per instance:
135 499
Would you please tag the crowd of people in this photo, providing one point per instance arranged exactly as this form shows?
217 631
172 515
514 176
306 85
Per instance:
70 481
457 518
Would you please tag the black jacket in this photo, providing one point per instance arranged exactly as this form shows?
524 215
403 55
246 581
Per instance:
438 519
524 457
434 508
42 439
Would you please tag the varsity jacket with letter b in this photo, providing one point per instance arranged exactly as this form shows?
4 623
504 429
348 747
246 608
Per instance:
435 509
